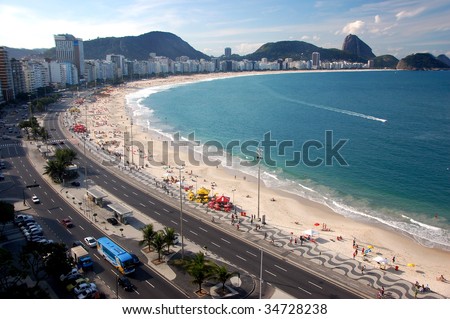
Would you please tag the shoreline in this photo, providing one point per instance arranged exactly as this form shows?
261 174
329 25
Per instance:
290 212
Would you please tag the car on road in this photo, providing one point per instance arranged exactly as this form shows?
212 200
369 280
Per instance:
112 221
78 243
90 241
74 283
75 183
67 222
135 259
125 283
35 199
71 275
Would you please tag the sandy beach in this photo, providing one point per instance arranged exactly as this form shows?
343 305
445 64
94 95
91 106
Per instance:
109 122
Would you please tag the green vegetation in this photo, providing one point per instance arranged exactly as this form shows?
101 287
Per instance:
421 61
56 168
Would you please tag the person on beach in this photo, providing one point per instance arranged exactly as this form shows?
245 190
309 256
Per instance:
362 269
393 259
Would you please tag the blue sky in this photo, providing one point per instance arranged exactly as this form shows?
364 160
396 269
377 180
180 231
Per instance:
398 27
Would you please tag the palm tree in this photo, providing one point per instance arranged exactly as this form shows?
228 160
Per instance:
222 274
55 169
65 155
199 268
158 243
147 236
169 237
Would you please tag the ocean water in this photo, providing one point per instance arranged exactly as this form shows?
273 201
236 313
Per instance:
393 129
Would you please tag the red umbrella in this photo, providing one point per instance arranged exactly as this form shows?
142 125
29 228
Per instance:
317 224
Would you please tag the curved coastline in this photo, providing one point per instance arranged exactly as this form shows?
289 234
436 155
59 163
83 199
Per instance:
426 235
293 213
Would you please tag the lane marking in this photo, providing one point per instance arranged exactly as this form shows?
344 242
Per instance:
105 182
125 195
142 205
135 194
305 290
193 233
151 202
114 181
251 253
203 229
149 283
115 188
123 186
225 240
157 213
241 258
315 285
174 222
280 268
166 210
215 244
270 273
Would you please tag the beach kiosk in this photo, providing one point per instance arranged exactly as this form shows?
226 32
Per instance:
96 195
121 212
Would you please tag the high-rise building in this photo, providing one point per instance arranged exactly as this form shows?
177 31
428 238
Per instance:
315 60
70 49
6 80
18 76
228 52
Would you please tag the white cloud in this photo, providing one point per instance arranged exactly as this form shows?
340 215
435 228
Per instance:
354 27
304 37
377 19
409 14
246 48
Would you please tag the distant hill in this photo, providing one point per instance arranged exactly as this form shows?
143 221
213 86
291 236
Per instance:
421 61
139 47
22 53
444 58
385 62
354 45
299 50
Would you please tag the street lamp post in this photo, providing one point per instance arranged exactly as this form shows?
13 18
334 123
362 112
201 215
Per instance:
181 217
259 157
234 204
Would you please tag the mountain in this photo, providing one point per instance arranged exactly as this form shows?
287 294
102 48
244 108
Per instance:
299 50
22 53
385 62
356 46
444 58
138 47
421 61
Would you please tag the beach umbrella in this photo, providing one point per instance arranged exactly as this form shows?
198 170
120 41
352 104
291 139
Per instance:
317 224
411 265
380 259
370 247
311 232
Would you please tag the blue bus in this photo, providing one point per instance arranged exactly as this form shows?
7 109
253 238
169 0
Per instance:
116 255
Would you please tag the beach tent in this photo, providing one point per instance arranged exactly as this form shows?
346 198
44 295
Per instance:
380 260
311 232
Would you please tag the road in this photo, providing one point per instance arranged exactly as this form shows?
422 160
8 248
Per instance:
52 208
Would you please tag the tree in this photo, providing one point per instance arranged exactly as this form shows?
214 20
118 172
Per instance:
199 269
158 243
6 215
55 169
147 236
10 274
222 274
65 155
169 237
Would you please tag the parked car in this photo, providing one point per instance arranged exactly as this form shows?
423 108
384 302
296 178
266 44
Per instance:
35 199
112 221
67 222
75 183
83 287
89 293
70 275
125 283
74 283
90 241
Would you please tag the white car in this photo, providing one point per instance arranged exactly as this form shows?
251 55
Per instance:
90 241
83 287
88 293
35 199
